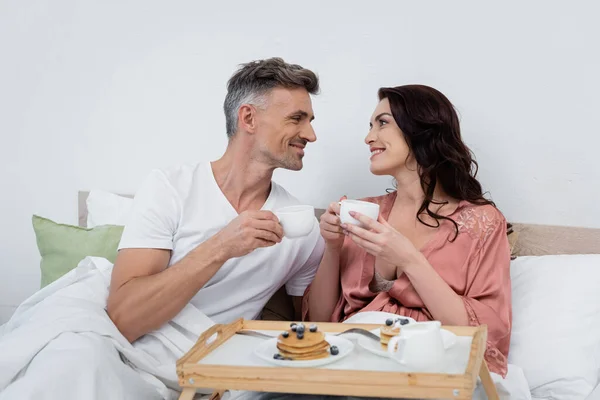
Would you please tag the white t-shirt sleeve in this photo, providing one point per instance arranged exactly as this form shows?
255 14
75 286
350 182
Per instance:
154 216
305 275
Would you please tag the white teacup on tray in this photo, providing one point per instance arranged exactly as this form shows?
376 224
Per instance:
449 339
419 347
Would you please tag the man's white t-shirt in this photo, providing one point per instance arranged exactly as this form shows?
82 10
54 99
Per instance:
181 207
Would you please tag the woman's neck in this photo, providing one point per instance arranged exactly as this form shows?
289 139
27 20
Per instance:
410 194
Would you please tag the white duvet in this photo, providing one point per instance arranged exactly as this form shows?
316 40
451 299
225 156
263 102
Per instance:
61 344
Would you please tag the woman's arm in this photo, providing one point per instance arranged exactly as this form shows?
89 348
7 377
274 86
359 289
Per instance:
324 291
439 298
325 288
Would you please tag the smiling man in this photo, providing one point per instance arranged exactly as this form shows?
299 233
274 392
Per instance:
205 234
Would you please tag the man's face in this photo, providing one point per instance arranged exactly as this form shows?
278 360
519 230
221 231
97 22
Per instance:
284 127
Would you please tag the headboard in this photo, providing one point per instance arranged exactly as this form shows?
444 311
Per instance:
532 239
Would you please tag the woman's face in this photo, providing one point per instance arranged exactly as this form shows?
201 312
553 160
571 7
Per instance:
389 151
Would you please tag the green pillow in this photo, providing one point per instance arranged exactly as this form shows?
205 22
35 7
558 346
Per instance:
63 246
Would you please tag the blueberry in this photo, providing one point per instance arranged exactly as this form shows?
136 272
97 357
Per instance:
293 324
334 350
389 322
294 328
300 335
403 321
313 328
278 356
285 334
300 329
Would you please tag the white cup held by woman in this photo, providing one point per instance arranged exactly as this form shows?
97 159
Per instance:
371 210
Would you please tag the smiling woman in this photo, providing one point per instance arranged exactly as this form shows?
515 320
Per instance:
438 250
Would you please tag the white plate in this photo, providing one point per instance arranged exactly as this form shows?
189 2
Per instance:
267 349
374 347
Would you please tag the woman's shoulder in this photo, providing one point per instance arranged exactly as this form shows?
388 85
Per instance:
480 221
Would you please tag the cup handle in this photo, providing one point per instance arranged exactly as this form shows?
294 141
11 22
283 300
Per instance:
396 341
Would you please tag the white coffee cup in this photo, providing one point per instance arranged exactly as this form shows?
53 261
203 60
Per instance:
297 221
419 346
369 209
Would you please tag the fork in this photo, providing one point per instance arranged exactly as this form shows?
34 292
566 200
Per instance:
360 331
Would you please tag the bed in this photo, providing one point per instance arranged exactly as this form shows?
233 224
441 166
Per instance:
555 274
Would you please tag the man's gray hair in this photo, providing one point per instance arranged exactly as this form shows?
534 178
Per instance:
252 82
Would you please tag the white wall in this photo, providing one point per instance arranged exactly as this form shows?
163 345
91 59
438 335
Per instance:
95 94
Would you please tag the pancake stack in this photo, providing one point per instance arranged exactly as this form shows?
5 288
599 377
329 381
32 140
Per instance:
390 329
297 343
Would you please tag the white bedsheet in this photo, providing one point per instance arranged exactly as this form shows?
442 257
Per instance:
60 343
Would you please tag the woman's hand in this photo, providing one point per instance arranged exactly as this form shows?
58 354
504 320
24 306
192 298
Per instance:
330 226
383 241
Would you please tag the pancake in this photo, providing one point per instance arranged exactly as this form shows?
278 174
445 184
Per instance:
317 347
308 356
310 339
390 329
302 343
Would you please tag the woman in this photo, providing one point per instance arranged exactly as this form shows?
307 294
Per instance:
439 249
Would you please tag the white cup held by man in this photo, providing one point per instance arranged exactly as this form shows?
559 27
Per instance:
296 221
369 209
419 346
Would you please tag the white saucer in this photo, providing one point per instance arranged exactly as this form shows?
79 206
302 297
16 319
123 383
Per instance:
374 347
267 349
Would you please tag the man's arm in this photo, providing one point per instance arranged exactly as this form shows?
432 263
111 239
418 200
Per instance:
144 294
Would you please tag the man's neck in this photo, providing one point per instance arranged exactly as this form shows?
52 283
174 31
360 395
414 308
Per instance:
245 181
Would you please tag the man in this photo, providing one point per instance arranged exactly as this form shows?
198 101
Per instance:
202 241
205 234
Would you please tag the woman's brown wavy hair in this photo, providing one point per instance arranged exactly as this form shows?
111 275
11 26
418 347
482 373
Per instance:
431 129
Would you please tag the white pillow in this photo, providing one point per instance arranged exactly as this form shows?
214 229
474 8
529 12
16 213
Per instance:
105 208
556 324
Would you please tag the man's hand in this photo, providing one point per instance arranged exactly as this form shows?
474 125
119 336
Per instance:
249 231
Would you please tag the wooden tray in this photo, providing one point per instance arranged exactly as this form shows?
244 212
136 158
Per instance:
193 375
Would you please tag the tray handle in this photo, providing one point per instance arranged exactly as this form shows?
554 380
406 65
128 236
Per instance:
207 342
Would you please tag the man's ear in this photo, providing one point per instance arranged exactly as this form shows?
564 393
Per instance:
247 120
